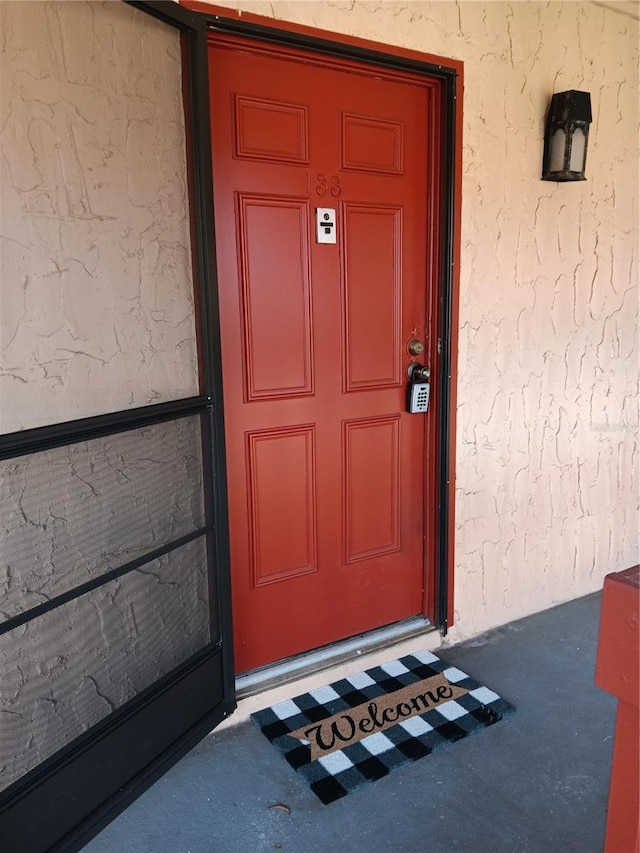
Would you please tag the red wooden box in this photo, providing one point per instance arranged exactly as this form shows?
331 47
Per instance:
618 672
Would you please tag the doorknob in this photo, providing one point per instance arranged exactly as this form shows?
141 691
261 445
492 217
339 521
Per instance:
418 372
415 347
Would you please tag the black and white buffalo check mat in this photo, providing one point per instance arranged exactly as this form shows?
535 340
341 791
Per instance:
359 729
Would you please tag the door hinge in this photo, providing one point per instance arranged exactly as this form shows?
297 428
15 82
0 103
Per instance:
439 346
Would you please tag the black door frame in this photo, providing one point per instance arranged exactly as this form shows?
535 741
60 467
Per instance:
71 796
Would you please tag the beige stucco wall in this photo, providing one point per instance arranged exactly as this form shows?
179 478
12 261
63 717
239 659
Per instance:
96 297
547 451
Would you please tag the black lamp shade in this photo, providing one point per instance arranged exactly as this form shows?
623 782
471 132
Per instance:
565 137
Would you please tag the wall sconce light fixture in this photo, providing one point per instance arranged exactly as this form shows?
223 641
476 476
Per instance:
565 136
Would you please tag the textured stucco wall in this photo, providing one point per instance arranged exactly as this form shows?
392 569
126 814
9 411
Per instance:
96 298
96 314
547 451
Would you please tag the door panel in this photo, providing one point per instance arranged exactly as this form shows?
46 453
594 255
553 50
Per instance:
326 469
269 130
371 145
372 528
272 497
277 342
372 296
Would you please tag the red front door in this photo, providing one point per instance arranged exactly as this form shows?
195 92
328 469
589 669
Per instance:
326 470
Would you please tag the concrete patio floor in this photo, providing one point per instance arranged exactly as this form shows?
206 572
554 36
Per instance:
536 781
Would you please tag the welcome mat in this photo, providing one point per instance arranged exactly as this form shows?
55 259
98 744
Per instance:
359 729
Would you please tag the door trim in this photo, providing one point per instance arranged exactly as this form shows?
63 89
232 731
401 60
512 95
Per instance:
440 523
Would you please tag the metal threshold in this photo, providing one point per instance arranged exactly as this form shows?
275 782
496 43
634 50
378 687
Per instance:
294 668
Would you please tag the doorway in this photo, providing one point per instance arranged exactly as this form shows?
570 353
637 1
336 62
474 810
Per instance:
332 484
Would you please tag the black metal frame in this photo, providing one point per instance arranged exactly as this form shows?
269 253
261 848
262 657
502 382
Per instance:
448 76
445 448
68 798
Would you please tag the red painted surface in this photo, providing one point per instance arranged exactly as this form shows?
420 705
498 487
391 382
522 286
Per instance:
618 672
211 12
326 470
